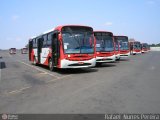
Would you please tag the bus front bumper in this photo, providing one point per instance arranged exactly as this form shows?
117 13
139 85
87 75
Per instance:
105 59
78 64
138 52
143 51
125 55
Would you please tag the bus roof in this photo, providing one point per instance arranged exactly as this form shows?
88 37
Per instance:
103 32
48 31
120 36
12 48
59 28
144 43
42 33
134 41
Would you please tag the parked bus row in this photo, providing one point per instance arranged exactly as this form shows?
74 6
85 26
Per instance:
137 48
74 46
14 50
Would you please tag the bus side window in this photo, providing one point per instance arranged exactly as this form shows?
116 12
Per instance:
49 39
34 43
45 41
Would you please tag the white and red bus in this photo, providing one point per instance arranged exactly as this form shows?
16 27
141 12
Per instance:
135 47
24 51
117 49
12 50
123 45
69 46
105 50
144 47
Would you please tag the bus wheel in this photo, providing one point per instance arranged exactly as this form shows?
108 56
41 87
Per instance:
50 65
118 59
34 62
98 64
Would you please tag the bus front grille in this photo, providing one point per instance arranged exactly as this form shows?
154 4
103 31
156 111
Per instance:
77 64
104 59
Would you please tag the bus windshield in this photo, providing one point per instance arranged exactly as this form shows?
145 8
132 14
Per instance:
78 40
137 45
144 45
123 41
104 43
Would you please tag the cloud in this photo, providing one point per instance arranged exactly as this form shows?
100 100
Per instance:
15 17
108 24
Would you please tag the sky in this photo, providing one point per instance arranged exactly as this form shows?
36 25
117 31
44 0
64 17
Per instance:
22 19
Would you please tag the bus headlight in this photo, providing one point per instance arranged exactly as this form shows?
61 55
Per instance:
69 55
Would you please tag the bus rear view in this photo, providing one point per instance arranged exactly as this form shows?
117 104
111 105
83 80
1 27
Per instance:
24 51
12 50
123 45
105 51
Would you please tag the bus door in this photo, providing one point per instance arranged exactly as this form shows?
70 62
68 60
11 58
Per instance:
55 49
39 49
30 49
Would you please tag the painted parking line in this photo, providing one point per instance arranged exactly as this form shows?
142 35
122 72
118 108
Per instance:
18 91
14 92
43 71
58 78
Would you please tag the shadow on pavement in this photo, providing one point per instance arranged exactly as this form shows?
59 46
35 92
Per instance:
124 60
2 65
71 71
77 70
106 65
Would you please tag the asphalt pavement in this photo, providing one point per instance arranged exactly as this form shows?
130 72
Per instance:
128 86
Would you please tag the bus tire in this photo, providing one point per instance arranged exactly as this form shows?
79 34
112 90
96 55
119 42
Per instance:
98 64
34 61
118 59
50 65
